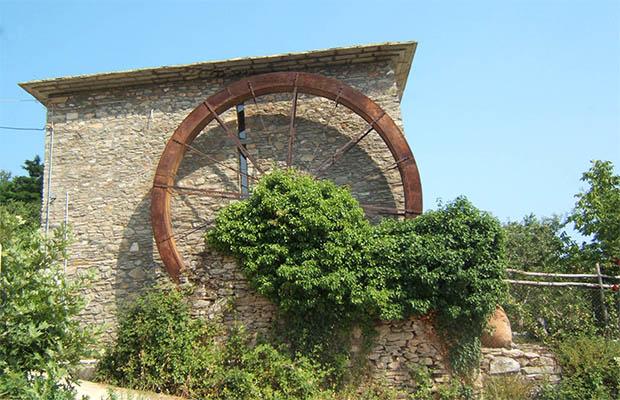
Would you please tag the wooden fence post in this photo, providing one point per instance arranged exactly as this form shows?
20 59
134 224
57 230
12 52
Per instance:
602 292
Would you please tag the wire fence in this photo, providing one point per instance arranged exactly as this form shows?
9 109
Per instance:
576 281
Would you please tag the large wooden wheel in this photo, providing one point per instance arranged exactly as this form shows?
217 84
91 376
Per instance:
251 89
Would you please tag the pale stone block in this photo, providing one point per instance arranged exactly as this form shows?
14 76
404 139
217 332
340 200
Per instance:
503 365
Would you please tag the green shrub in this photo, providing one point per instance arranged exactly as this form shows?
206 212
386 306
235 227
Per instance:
449 262
160 347
41 342
508 387
306 245
423 383
266 372
590 370
301 242
456 390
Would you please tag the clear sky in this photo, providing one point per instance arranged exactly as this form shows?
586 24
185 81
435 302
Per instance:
506 103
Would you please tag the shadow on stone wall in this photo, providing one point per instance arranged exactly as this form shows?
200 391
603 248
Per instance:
220 290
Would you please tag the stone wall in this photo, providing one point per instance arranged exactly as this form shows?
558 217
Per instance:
106 147
532 362
403 346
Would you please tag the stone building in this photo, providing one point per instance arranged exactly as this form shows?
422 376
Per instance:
110 129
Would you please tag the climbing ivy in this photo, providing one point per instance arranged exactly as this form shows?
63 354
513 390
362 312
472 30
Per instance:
306 245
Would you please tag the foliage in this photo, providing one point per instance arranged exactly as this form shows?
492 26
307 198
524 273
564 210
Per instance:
302 245
22 194
545 314
590 370
266 372
305 245
301 242
448 262
423 382
203 367
553 314
23 189
597 212
161 347
40 341
454 389
537 244
597 216
508 387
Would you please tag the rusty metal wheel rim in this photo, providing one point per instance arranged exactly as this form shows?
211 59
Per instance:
251 88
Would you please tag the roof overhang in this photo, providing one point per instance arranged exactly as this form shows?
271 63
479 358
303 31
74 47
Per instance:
400 54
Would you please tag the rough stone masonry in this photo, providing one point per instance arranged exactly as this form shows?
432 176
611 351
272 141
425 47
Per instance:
109 131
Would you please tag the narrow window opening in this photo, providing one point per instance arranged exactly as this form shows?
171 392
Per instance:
243 161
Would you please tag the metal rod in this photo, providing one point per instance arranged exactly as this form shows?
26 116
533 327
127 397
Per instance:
395 164
212 159
260 115
185 234
210 192
326 124
336 103
49 176
233 136
348 146
66 234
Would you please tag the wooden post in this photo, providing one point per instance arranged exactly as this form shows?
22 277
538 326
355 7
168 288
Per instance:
602 293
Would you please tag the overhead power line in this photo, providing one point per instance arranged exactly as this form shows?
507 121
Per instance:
7 100
16 128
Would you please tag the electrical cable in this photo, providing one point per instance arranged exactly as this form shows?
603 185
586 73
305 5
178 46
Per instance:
16 128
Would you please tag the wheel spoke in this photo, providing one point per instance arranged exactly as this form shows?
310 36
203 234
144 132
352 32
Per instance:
202 191
181 236
326 124
233 137
212 159
260 115
348 146
395 164
336 103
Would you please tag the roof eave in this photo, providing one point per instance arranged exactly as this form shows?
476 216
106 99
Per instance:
399 53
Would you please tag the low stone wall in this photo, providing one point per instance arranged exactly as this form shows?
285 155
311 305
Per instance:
401 346
533 362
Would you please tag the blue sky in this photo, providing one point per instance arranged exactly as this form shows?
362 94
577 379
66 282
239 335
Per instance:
507 101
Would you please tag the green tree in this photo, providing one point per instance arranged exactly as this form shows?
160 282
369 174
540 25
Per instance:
545 314
40 340
552 314
597 216
26 189
22 194
597 213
